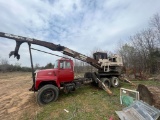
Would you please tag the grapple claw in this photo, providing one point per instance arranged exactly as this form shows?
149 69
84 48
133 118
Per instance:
15 55
11 53
15 52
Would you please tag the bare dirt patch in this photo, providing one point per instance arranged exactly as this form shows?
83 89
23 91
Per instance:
15 99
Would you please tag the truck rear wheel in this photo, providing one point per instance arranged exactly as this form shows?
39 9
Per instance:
106 82
92 76
88 75
47 94
115 81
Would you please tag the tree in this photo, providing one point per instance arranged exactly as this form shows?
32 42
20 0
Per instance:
128 54
4 65
17 67
155 22
37 66
142 51
49 65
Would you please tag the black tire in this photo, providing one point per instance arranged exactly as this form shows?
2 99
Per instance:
88 75
107 82
115 82
92 76
47 94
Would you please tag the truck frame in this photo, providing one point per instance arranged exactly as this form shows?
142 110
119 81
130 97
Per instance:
48 82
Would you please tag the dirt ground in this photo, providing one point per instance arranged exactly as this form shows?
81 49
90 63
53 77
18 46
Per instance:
16 101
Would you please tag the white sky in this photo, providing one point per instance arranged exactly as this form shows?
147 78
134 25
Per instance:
81 25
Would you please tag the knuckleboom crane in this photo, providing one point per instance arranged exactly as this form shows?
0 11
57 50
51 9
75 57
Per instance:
109 68
100 60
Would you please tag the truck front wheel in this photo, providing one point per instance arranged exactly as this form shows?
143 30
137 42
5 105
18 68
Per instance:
47 94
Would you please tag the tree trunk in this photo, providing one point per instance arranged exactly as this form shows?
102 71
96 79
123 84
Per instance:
150 95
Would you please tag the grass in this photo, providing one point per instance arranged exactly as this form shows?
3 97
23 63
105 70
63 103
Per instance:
86 103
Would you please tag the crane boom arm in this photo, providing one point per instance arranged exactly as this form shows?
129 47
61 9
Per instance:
19 40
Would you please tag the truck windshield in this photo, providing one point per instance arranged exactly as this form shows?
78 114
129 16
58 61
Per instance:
56 64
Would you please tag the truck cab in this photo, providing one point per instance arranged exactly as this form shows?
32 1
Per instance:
63 72
48 82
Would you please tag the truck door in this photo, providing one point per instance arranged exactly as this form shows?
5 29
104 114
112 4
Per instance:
66 73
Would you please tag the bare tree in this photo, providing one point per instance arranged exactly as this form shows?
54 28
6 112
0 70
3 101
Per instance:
37 66
4 65
142 53
155 22
155 25
17 67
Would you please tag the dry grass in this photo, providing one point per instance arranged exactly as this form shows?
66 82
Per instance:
15 98
86 103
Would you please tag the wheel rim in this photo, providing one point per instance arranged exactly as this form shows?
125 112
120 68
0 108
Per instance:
47 96
115 81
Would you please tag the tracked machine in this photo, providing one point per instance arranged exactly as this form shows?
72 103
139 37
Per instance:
49 82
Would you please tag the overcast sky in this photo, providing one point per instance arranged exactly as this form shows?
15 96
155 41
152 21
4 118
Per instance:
81 25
